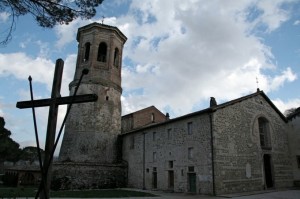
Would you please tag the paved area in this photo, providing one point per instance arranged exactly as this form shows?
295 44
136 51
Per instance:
283 194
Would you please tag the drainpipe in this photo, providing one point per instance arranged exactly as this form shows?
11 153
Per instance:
212 152
144 186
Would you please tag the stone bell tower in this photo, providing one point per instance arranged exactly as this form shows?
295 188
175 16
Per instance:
90 139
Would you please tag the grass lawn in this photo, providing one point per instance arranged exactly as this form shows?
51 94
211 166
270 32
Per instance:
105 193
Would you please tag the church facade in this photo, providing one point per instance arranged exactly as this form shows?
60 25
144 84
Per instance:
238 146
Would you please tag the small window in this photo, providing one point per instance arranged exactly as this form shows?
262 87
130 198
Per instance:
190 128
170 164
102 51
154 136
190 152
154 169
191 169
298 161
116 57
169 131
154 157
131 142
87 47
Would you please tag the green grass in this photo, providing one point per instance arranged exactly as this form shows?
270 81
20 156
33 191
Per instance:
106 193
16 192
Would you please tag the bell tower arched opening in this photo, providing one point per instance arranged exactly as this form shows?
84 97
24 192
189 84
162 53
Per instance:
87 47
116 58
102 52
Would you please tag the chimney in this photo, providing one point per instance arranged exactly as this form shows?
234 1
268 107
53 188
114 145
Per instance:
213 102
167 116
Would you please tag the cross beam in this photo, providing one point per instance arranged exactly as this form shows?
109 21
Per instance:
59 101
53 104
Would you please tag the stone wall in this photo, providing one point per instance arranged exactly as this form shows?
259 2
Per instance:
92 128
238 155
70 175
169 149
294 140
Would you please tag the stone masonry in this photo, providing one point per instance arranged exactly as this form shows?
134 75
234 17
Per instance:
238 146
90 155
177 154
294 140
162 150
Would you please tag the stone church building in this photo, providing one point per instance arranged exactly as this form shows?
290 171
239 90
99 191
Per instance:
237 146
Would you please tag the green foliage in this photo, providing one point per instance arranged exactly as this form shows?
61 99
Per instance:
63 183
17 192
9 149
289 112
48 13
30 154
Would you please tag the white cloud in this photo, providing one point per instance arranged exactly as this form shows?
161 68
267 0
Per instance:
297 22
181 53
67 33
44 49
187 51
42 71
285 105
21 66
273 15
279 80
4 16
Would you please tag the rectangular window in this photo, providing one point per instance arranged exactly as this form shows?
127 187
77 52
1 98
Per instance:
190 152
131 142
191 169
169 134
190 128
154 157
154 136
170 164
298 161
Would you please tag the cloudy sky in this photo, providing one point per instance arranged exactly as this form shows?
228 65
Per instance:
178 54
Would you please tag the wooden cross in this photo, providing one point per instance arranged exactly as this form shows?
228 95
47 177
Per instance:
53 104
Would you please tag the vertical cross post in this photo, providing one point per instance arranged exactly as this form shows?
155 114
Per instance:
53 104
51 128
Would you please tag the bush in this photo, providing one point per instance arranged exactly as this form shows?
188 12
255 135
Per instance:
10 180
63 183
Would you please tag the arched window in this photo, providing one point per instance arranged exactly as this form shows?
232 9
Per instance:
116 57
102 50
87 47
264 132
